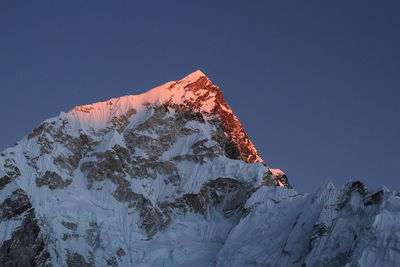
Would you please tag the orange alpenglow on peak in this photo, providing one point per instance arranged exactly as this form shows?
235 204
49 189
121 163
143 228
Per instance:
194 75
195 94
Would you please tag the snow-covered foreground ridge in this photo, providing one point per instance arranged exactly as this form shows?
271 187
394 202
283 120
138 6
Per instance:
170 178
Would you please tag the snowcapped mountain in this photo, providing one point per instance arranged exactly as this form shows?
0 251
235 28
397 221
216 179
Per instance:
170 178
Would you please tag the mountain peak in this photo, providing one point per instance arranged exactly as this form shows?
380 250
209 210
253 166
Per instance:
166 178
193 94
138 162
194 76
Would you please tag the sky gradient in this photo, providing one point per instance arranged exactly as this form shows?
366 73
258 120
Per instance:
315 84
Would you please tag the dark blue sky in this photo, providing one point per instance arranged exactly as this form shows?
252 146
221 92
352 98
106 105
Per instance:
315 83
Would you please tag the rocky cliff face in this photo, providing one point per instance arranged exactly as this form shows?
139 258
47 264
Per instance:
170 178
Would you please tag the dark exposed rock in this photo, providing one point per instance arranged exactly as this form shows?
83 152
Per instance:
44 133
200 148
26 247
32 161
121 252
112 261
84 109
112 164
229 194
5 180
70 225
317 231
65 162
77 260
16 204
124 194
200 153
184 113
356 186
152 219
350 188
53 180
187 203
269 180
374 198
44 127
11 169
223 194
49 133
230 149
284 180
119 123
167 127
151 169
92 234
67 236
78 147
281 177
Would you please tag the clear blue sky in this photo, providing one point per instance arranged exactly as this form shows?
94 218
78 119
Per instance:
315 83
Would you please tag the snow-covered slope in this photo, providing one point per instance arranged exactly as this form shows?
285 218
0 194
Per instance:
170 178
347 227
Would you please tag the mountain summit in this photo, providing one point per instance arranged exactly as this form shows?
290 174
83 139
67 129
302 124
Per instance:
195 94
170 178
